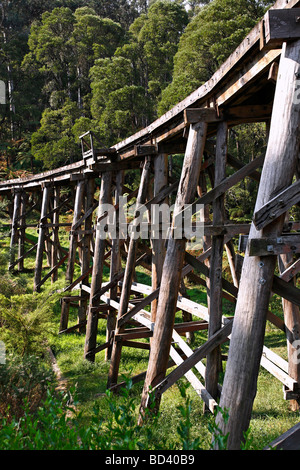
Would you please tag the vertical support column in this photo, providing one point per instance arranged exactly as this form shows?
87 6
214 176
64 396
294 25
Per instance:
128 277
246 344
86 251
292 327
14 227
100 243
214 363
171 275
115 264
74 236
41 239
55 244
158 244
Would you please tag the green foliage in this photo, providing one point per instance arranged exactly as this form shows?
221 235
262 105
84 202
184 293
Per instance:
185 425
208 40
26 322
219 439
54 142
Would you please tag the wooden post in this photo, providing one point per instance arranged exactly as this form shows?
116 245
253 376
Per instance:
128 277
41 239
115 266
240 381
158 244
171 275
74 236
86 251
55 244
14 227
204 217
100 243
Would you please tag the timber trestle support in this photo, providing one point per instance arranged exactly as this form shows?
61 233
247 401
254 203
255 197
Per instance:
243 264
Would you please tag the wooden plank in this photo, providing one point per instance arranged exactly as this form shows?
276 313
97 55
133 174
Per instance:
145 150
198 265
80 189
195 382
158 243
291 271
52 270
27 253
277 206
286 290
247 113
142 304
274 246
194 115
282 376
218 338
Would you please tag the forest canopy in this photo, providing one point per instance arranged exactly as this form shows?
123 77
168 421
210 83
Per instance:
112 67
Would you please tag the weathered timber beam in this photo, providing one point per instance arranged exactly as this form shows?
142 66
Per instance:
116 279
280 26
274 246
277 205
291 271
142 304
224 186
145 150
218 338
286 290
55 268
199 266
248 113
235 114
125 164
23 256
87 214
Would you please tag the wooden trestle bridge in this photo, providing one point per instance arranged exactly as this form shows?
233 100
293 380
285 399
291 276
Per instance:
257 83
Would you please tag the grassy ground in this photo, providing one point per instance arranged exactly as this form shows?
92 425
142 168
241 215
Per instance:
271 414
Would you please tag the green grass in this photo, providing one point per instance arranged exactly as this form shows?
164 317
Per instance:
271 414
